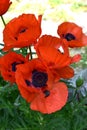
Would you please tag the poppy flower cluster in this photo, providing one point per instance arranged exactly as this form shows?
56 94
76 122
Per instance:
39 79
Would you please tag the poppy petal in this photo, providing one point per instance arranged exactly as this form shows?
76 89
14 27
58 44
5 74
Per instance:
76 58
66 72
54 102
26 94
53 57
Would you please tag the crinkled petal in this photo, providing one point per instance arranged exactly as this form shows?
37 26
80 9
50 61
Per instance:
54 102
66 72
26 31
52 57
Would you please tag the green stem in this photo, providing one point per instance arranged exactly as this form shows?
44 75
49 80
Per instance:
30 52
3 20
1 44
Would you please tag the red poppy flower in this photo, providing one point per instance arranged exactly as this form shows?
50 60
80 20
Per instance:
54 52
8 64
22 31
73 34
36 84
4 5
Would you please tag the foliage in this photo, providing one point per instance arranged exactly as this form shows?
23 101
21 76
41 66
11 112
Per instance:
77 6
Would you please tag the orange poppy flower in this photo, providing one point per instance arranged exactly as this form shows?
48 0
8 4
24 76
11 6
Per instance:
8 64
36 84
4 6
22 31
54 52
73 34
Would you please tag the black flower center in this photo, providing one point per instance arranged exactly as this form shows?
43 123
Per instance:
22 30
14 65
69 37
27 82
46 93
39 78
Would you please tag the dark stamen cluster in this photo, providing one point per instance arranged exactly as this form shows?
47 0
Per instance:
23 30
39 78
28 82
46 93
69 37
